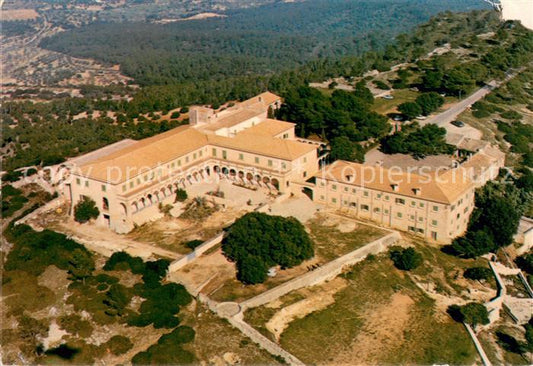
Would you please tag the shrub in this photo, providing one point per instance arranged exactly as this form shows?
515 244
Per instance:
181 195
525 262
511 115
406 259
478 273
381 85
85 210
472 313
192 244
11 176
118 345
175 115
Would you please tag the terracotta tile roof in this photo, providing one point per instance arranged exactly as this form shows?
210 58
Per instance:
445 188
147 153
232 119
263 145
269 127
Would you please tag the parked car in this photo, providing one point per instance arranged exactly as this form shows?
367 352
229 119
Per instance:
458 123
421 118
388 97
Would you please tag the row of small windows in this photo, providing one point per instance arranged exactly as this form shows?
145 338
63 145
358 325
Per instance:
398 201
257 159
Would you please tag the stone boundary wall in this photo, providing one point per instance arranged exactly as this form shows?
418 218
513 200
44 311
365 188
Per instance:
477 344
324 273
198 251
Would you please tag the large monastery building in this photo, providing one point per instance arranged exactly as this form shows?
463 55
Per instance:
239 143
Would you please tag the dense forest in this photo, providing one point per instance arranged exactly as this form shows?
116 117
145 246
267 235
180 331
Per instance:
345 117
260 40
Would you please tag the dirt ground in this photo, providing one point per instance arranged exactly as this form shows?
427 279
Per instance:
382 331
19 14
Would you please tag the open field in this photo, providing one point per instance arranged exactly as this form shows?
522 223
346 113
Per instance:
19 14
378 314
384 106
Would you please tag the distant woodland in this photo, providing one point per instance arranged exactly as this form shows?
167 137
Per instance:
253 41
343 117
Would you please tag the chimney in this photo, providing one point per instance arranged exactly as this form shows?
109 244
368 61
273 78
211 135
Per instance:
417 191
395 187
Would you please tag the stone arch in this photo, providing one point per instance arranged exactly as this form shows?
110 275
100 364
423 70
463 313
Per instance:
232 173
143 203
249 176
266 180
134 206
275 183
225 170
216 169
149 200
123 209
241 174
258 178
207 171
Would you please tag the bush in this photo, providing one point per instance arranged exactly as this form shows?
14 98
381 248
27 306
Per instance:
85 210
257 239
472 313
406 259
118 345
478 273
381 85
192 244
11 176
181 195
175 115
511 115
429 102
525 262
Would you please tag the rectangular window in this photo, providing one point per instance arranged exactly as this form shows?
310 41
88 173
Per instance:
364 207
256 160
87 183
186 159
400 201
173 164
322 198
345 189
386 212
354 191
78 181
378 196
353 204
123 188
138 181
377 210
434 222
420 219
413 204
412 217
421 205
334 187
334 200
224 154
400 215
179 162
241 156
194 156
365 193
434 235
435 208
200 153
453 207
283 166
131 184
103 187
387 198
305 159
214 152
269 162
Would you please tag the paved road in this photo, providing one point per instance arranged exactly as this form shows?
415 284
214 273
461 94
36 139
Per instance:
443 119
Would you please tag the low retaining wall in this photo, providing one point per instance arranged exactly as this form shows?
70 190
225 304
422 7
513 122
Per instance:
49 206
198 251
324 273
479 348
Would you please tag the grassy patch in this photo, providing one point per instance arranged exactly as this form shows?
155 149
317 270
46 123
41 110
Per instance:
425 340
384 106
331 243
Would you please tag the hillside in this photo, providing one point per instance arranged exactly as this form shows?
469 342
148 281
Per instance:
259 40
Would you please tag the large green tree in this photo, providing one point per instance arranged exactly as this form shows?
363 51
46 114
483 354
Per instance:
258 240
